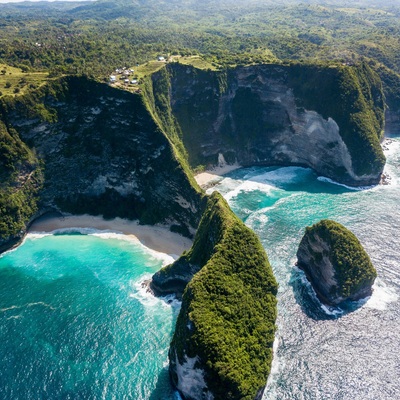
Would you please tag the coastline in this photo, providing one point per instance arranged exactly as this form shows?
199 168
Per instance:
157 238
211 177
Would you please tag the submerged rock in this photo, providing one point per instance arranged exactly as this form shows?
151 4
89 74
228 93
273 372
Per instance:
335 262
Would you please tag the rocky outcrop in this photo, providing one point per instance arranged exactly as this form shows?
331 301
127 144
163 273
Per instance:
110 152
222 345
175 277
336 264
328 118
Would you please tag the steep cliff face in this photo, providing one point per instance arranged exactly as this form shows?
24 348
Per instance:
20 181
222 345
336 264
327 118
103 153
213 225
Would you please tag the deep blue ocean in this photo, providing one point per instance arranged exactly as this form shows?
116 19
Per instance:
75 322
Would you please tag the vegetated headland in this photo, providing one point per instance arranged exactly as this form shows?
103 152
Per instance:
74 140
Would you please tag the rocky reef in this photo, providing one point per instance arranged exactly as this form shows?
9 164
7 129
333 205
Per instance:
335 262
326 117
222 345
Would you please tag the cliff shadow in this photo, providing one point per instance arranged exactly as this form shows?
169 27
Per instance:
164 389
310 304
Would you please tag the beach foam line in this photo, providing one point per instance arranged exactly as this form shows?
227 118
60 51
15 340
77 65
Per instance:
156 238
248 186
354 188
278 176
107 235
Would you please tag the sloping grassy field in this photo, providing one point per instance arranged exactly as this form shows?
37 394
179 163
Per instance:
13 81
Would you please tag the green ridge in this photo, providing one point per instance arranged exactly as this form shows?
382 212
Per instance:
228 310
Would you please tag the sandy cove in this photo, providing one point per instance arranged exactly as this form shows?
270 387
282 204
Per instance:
211 177
158 238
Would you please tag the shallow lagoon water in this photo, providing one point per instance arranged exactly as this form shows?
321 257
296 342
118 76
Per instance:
76 324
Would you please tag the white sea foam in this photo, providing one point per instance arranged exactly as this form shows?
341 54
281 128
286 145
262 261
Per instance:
264 182
333 311
277 366
328 310
166 258
249 186
37 235
141 292
382 295
259 217
226 185
391 147
355 188
279 175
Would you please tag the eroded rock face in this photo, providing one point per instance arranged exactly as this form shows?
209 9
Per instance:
273 115
188 378
336 264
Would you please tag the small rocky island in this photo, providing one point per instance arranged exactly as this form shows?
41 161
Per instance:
335 263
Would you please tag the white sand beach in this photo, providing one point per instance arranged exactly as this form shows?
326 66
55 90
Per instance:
158 238
211 177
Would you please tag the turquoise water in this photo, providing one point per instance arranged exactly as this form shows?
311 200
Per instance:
327 353
76 324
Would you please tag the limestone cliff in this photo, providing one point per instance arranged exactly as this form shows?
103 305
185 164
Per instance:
336 264
222 345
103 153
175 277
328 118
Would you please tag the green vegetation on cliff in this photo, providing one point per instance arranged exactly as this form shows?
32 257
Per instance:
238 113
20 181
353 269
228 310
156 97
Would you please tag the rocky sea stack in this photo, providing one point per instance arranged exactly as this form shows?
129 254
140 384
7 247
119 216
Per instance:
335 262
